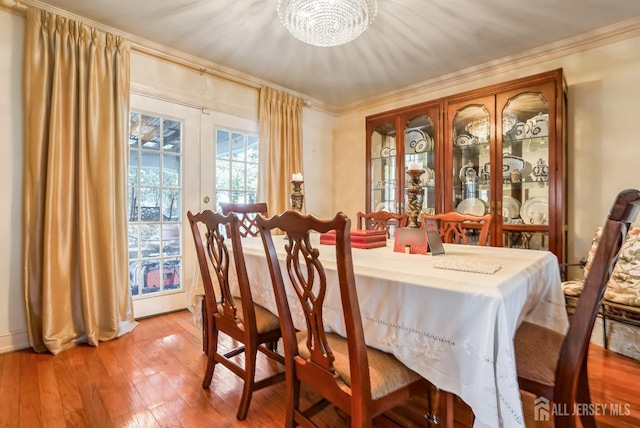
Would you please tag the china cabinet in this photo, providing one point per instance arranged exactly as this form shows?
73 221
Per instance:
396 138
498 150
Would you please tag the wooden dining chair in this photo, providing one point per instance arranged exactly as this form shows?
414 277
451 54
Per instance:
247 214
359 380
234 315
380 220
457 228
553 365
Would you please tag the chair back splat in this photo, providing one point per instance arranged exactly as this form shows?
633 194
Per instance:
381 220
337 368
553 365
233 312
247 214
457 228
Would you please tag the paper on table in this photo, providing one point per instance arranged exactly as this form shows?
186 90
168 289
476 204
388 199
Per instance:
468 266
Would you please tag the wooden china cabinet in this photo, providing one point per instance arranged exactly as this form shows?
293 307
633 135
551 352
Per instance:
498 149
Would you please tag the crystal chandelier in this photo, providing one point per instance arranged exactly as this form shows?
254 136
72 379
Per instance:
327 22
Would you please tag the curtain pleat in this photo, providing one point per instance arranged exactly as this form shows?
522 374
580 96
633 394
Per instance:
76 98
280 147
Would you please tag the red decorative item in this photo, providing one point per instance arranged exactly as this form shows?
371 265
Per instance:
360 238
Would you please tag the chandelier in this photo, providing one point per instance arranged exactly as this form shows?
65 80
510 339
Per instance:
327 22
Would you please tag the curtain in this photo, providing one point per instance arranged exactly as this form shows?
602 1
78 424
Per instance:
280 147
76 106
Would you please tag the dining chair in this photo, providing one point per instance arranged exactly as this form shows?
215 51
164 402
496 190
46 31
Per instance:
247 214
457 228
553 365
380 220
232 312
344 371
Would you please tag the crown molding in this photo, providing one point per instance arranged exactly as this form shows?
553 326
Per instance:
603 36
147 47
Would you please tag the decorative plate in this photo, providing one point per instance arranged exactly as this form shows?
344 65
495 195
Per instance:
464 140
510 163
510 207
534 206
473 206
419 141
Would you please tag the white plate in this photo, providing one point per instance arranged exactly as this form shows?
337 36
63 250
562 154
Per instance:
511 163
464 140
419 141
537 204
473 206
510 207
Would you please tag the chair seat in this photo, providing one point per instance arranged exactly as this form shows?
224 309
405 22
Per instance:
537 350
572 288
387 374
265 320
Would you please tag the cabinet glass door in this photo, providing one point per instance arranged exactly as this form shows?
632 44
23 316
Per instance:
525 162
383 168
419 146
471 132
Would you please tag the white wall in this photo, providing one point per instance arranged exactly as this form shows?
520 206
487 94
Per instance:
603 137
149 76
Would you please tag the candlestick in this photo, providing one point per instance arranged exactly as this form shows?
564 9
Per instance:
297 197
415 195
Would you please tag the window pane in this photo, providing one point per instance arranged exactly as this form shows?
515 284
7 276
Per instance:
237 176
237 146
134 277
170 171
222 175
252 148
252 177
150 171
172 136
222 144
150 276
150 132
170 205
238 197
252 198
134 242
222 197
150 240
171 239
133 168
133 204
149 204
171 274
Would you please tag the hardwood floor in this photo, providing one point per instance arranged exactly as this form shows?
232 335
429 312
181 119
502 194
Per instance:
151 378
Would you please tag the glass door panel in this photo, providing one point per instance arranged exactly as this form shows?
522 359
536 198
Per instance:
419 146
383 168
471 131
525 161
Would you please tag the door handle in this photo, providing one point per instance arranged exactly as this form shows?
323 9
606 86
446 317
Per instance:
206 199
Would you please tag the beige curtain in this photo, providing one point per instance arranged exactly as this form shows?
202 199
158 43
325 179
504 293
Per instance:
280 147
76 106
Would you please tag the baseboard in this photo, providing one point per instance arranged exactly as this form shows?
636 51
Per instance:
14 341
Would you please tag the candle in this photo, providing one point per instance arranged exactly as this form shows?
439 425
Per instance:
417 166
297 177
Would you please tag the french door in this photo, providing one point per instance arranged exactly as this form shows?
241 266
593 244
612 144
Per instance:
178 155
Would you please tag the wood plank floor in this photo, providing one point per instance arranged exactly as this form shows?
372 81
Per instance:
151 378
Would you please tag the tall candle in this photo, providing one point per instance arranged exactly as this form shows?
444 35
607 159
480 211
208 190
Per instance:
297 177
415 166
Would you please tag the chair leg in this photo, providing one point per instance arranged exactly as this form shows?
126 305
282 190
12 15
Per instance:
212 345
604 327
249 381
292 400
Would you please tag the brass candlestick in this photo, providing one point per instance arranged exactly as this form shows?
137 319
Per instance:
297 198
415 197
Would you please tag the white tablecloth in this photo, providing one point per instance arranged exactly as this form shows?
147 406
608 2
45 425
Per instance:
454 328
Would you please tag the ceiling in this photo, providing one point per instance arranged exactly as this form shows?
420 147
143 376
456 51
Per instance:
410 41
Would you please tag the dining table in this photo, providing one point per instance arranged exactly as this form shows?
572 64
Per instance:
451 318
